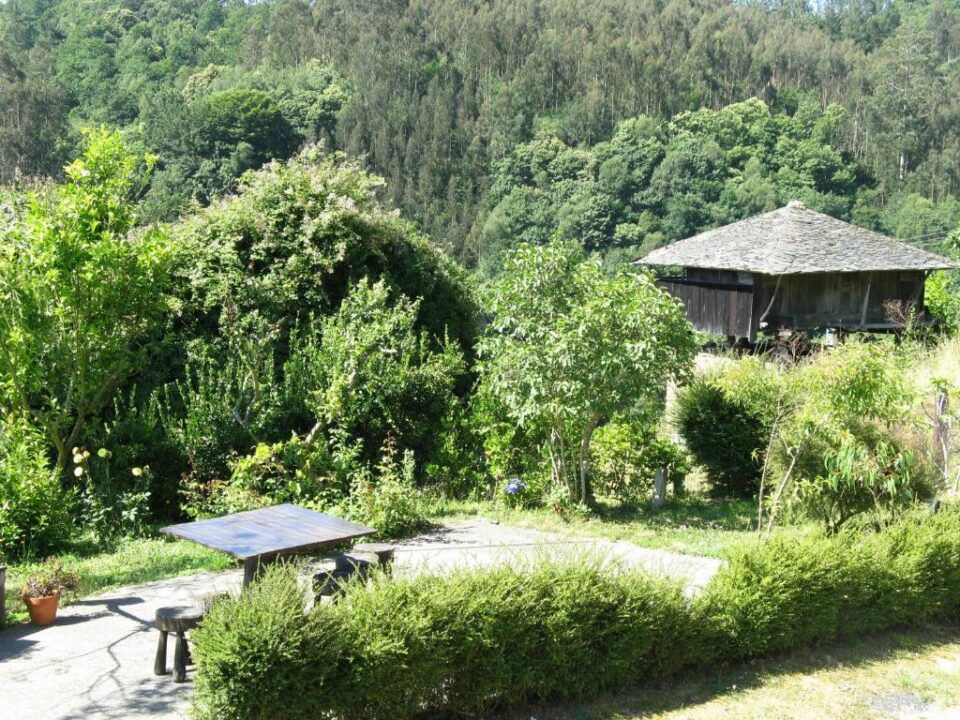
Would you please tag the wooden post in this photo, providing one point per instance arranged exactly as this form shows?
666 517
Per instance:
659 488
866 302
941 432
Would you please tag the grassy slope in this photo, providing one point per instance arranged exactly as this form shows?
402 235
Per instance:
902 674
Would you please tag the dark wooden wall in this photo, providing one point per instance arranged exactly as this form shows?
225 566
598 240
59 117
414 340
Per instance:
717 301
840 300
739 304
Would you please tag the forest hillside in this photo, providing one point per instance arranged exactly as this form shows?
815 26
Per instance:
857 106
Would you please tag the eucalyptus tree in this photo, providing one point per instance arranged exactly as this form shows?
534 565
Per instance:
569 346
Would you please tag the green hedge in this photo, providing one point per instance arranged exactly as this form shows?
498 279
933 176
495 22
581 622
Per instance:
725 433
476 640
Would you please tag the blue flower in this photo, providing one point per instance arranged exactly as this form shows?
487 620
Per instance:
514 486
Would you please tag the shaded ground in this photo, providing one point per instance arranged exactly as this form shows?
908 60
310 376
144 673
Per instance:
97 661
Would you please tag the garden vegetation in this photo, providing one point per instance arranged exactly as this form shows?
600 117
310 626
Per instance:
487 639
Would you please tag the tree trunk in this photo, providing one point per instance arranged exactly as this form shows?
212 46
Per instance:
557 464
586 493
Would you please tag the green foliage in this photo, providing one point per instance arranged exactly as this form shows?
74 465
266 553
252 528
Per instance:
846 449
655 182
489 638
34 511
386 498
476 641
111 506
294 242
80 295
263 635
371 375
222 125
942 296
220 408
296 470
787 592
860 476
569 346
725 417
942 289
459 99
626 457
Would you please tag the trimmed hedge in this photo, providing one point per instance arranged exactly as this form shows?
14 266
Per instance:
477 640
725 433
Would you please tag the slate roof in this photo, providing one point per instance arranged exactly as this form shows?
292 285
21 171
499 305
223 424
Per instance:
792 240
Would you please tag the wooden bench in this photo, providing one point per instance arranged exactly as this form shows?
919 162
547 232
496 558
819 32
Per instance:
383 552
179 620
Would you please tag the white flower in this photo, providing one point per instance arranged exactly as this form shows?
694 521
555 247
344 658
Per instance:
137 472
77 459
78 471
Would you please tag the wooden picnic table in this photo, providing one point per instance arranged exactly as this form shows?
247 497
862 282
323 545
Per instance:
260 536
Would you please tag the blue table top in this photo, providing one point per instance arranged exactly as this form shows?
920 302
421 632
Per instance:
281 529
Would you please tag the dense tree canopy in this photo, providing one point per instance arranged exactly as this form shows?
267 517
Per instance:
436 95
655 182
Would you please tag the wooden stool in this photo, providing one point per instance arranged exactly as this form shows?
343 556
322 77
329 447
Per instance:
330 582
383 551
177 620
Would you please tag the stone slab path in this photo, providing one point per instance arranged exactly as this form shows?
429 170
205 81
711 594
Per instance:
97 660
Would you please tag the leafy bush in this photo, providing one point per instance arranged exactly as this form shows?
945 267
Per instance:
465 642
369 373
219 409
846 449
568 346
626 457
134 435
477 640
82 294
34 510
387 498
725 418
295 240
112 505
788 592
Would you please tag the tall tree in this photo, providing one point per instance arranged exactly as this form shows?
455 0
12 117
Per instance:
569 347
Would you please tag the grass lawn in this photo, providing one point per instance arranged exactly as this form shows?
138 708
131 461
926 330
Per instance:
695 524
903 674
126 563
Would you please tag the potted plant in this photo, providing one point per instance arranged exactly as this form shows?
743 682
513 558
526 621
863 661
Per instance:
41 593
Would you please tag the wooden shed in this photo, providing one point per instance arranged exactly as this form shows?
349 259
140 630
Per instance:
793 268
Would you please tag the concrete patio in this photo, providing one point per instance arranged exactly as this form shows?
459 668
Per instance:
97 660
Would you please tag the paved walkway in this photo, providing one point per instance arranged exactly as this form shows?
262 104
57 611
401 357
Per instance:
97 660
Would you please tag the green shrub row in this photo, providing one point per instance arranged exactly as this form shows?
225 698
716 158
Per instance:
473 641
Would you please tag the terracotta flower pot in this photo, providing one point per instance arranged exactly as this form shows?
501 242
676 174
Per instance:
43 610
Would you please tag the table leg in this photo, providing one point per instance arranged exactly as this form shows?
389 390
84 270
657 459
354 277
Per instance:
251 568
